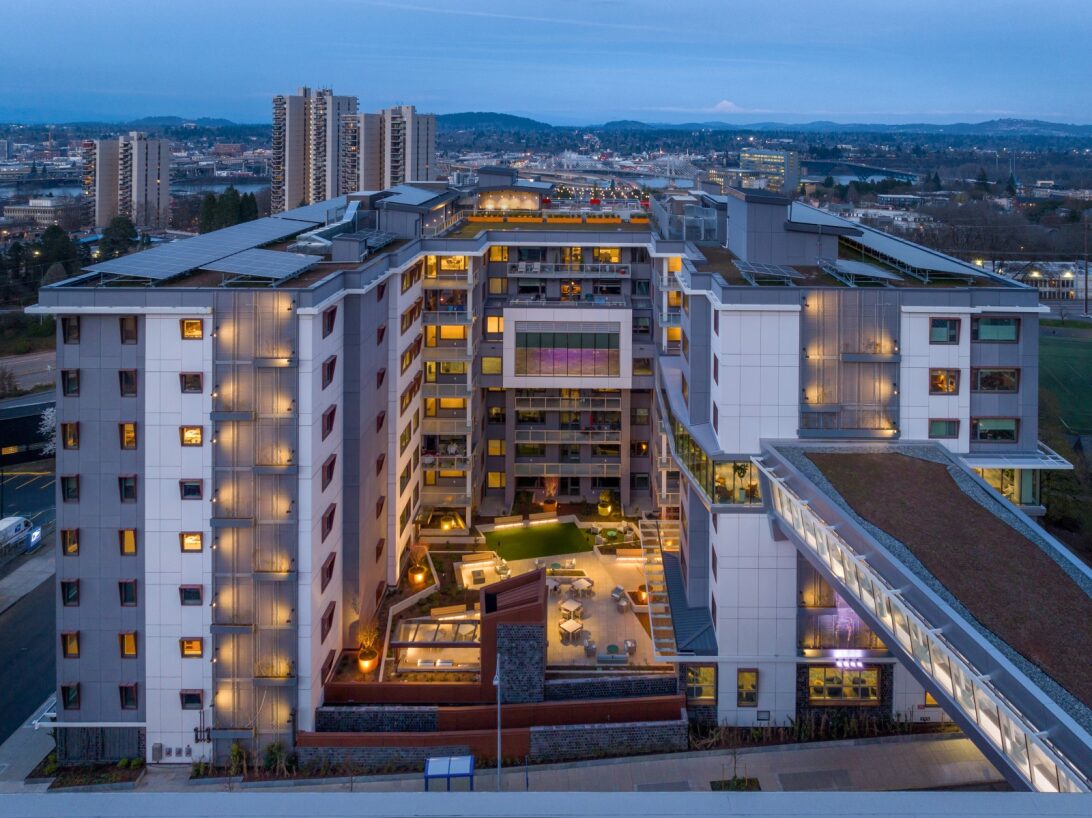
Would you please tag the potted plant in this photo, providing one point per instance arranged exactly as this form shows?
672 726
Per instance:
367 657
741 470
605 504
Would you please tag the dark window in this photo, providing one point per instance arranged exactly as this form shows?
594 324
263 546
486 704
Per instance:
128 325
328 367
943 428
190 489
189 594
328 470
380 332
995 430
70 592
379 376
191 699
382 501
327 666
381 291
995 330
70 541
995 380
379 546
716 418
70 488
70 382
70 329
328 571
70 435
943 330
716 322
127 488
382 416
191 382
127 593
379 461
127 694
716 370
329 317
70 696
328 520
328 421
327 621
127 382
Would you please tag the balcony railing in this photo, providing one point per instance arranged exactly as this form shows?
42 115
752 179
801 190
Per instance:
567 469
552 436
556 301
535 269
445 426
670 318
581 404
447 317
457 389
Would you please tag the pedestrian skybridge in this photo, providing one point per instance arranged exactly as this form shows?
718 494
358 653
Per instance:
986 609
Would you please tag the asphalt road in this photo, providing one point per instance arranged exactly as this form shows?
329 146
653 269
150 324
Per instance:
28 492
27 656
33 369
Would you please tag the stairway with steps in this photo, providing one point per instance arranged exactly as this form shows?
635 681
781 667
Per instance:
653 533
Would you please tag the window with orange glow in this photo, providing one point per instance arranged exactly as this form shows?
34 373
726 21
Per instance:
193 329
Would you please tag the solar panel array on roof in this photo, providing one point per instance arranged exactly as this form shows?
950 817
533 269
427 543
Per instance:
851 273
264 264
410 195
178 257
753 272
319 213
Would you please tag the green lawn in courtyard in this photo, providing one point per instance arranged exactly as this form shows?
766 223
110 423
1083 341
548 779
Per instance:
1065 369
539 541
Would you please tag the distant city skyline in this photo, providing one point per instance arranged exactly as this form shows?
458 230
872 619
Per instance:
568 63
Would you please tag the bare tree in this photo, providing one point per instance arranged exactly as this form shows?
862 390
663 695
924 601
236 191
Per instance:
47 428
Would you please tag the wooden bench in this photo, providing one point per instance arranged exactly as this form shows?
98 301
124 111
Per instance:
478 556
629 552
612 659
447 610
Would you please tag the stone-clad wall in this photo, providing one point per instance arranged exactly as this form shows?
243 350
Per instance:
522 650
96 744
577 741
377 757
611 686
383 719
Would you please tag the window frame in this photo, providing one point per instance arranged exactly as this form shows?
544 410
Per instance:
326 622
743 695
185 326
122 373
182 540
121 543
329 320
134 703
976 386
185 643
122 637
182 430
328 418
68 377
182 694
70 644
70 435
65 496
958 330
70 600
121 436
70 329
124 584
186 482
129 338
948 377
125 480
329 469
326 573
74 703
978 319
1015 434
70 542
200 589
929 428
200 376
329 369
326 524
709 688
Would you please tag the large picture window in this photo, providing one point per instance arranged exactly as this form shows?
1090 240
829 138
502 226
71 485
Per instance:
998 430
568 354
831 685
997 330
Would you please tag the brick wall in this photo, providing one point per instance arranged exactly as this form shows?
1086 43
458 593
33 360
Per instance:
522 650
376 719
611 686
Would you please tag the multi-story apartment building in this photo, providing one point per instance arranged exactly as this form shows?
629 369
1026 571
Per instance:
389 148
127 176
305 167
264 422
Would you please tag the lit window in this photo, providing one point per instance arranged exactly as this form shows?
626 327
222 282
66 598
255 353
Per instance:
191 647
191 699
494 324
498 253
70 644
495 448
829 685
943 381
127 644
70 435
747 688
193 329
191 435
995 380
127 435
701 683
70 541
491 365
127 541
191 540
495 479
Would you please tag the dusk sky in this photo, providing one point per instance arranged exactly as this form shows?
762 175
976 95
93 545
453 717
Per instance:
562 61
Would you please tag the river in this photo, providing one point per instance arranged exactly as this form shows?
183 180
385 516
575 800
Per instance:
9 193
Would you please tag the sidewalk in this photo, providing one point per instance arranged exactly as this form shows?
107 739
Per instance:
898 763
25 574
21 753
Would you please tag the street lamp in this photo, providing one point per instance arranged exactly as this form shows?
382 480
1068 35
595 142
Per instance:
497 684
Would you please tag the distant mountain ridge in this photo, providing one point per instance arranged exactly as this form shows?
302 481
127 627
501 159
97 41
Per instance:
489 121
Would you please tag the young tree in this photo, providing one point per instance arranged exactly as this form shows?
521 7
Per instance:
117 238
228 207
206 219
47 429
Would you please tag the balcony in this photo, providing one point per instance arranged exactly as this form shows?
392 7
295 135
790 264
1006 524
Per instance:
534 269
559 404
455 425
450 389
562 436
449 280
445 495
460 351
539 300
669 318
447 317
567 469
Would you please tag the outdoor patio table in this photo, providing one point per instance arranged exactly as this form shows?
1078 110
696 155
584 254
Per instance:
582 584
555 566
612 648
552 584
572 626
571 607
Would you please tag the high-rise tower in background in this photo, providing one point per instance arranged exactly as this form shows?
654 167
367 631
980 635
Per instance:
306 146
130 176
388 148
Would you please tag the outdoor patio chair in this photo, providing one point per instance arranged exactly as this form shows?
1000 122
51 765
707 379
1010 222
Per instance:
630 645
622 605
617 593
589 648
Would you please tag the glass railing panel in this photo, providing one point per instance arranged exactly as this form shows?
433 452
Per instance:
1015 745
941 668
1044 775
